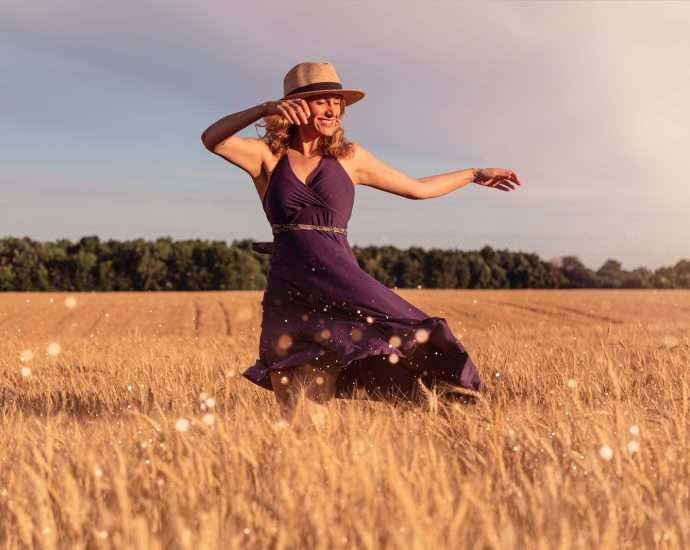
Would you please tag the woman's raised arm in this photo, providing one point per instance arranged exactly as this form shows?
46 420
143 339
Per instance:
250 154
229 125
246 153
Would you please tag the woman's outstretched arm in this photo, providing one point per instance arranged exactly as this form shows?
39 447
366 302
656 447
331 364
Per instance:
371 171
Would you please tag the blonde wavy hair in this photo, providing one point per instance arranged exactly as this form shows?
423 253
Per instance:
280 133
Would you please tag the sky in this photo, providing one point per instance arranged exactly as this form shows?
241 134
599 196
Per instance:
102 106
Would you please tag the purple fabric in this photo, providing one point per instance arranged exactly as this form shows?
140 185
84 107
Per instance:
320 307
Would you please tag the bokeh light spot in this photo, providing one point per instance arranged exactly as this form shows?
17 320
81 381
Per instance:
394 341
182 425
421 335
54 349
284 341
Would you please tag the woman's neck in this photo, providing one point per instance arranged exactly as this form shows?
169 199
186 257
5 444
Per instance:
307 148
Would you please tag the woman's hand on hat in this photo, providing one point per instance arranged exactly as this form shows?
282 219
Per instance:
295 110
497 178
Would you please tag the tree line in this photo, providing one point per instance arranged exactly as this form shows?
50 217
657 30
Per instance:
166 264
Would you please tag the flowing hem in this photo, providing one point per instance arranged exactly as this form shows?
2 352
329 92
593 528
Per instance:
438 358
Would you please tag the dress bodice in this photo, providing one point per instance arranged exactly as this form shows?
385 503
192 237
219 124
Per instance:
327 199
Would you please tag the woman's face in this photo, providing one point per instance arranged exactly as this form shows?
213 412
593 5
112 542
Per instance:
325 113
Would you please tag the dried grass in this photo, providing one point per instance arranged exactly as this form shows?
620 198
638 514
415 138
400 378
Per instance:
92 456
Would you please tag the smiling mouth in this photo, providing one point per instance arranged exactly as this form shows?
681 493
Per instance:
328 123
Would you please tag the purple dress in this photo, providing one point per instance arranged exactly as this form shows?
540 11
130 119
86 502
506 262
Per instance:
320 307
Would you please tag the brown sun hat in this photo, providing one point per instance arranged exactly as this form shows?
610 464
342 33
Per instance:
312 78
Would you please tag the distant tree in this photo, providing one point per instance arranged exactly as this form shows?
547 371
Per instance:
682 274
24 264
152 271
664 277
409 271
6 275
638 278
181 266
577 275
611 274
379 262
463 274
498 277
550 275
440 268
165 264
246 246
480 273
236 269
107 278
520 272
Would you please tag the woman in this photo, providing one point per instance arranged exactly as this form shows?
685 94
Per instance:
329 328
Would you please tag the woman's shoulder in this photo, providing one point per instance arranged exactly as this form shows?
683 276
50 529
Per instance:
352 153
359 152
360 156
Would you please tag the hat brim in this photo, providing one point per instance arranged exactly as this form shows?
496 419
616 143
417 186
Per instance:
351 96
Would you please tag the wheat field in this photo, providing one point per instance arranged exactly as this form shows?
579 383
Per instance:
125 424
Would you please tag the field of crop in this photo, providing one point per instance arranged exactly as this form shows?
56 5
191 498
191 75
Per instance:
125 424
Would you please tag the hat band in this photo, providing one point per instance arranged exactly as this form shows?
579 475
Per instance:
316 87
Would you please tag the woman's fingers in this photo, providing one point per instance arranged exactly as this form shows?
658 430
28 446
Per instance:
505 176
295 114
498 178
305 108
287 112
500 183
301 110
295 110
502 173
513 177
283 113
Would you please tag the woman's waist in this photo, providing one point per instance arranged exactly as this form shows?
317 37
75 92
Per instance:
301 243
309 247
278 228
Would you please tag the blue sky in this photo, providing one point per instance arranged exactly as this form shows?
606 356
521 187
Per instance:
103 103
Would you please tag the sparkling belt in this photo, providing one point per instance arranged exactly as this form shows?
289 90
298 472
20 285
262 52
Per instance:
279 227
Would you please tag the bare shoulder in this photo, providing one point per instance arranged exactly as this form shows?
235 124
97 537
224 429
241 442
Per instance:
359 154
371 171
361 157
363 162
358 149
353 162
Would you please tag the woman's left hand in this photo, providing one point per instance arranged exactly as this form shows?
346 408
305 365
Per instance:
498 178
